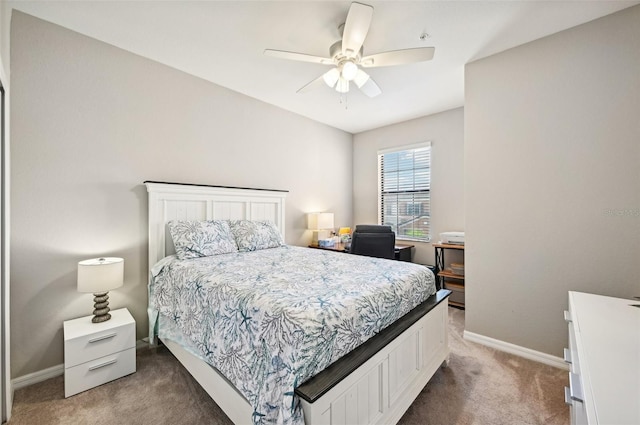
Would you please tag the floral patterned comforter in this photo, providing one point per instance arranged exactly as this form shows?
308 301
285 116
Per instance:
271 319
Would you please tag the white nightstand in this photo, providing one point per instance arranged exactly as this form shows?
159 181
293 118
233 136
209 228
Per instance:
96 353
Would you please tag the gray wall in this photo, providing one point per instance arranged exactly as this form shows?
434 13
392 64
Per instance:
446 133
552 179
90 123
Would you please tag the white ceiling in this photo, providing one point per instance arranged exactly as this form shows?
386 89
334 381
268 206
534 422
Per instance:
223 42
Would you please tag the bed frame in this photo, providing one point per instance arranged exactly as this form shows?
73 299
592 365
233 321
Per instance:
374 384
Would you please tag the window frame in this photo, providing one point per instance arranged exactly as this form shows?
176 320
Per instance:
382 152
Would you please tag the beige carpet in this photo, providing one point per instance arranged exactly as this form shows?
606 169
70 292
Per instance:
481 386
489 387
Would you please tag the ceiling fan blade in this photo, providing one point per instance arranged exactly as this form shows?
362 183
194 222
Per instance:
366 84
298 56
398 57
321 80
356 28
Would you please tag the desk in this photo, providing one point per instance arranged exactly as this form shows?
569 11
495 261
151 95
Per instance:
402 252
445 278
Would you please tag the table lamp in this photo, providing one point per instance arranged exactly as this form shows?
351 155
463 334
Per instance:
99 276
319 224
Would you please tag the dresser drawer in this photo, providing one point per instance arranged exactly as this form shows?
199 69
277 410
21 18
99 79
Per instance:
99 371
573 350
578 413
88 347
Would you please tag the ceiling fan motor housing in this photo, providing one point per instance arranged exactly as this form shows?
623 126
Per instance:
335 52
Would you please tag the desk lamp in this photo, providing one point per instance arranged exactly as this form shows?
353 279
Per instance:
320 224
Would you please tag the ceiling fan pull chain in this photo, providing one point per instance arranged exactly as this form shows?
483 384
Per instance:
344 99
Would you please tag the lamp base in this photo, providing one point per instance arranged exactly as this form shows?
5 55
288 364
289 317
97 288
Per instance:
316 235
101 307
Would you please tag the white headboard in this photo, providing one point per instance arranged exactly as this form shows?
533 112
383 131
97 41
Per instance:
177 201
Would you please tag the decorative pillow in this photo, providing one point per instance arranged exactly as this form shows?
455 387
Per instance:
194 239
254 235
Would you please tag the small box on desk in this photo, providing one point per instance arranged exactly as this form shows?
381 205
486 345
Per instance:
326 243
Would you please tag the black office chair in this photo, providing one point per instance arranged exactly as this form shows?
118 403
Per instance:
373 241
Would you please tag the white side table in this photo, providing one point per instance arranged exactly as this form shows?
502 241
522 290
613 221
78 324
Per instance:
96 353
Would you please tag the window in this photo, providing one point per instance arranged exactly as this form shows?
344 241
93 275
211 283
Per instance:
405 184
392 208
414 209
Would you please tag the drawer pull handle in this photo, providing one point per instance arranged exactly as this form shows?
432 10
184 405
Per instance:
567 316
100 338
567 356
98 366
575 387
567 396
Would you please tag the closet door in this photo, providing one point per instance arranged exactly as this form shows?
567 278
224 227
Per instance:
4 280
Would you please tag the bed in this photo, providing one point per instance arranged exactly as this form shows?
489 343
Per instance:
358 337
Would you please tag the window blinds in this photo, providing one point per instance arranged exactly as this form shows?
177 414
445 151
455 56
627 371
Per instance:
405 183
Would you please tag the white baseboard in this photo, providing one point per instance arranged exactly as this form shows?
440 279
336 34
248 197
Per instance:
35 377
517 350
52 372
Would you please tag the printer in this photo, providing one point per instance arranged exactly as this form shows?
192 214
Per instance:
453 238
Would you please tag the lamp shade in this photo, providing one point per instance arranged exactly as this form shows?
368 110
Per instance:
319 221
331 77
361 78
100 275
349 70
342 86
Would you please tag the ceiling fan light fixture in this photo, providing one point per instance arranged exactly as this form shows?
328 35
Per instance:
361 78
349 70
342 86
346 56
331 77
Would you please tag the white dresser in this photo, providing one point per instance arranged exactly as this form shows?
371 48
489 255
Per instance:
96 353
604 355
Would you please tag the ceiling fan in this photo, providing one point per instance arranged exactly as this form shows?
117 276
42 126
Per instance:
346 56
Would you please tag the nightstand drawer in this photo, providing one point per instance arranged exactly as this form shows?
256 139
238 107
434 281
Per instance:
99 371
84 341
89 347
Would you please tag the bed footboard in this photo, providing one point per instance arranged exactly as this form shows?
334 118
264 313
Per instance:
374 384
381 390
